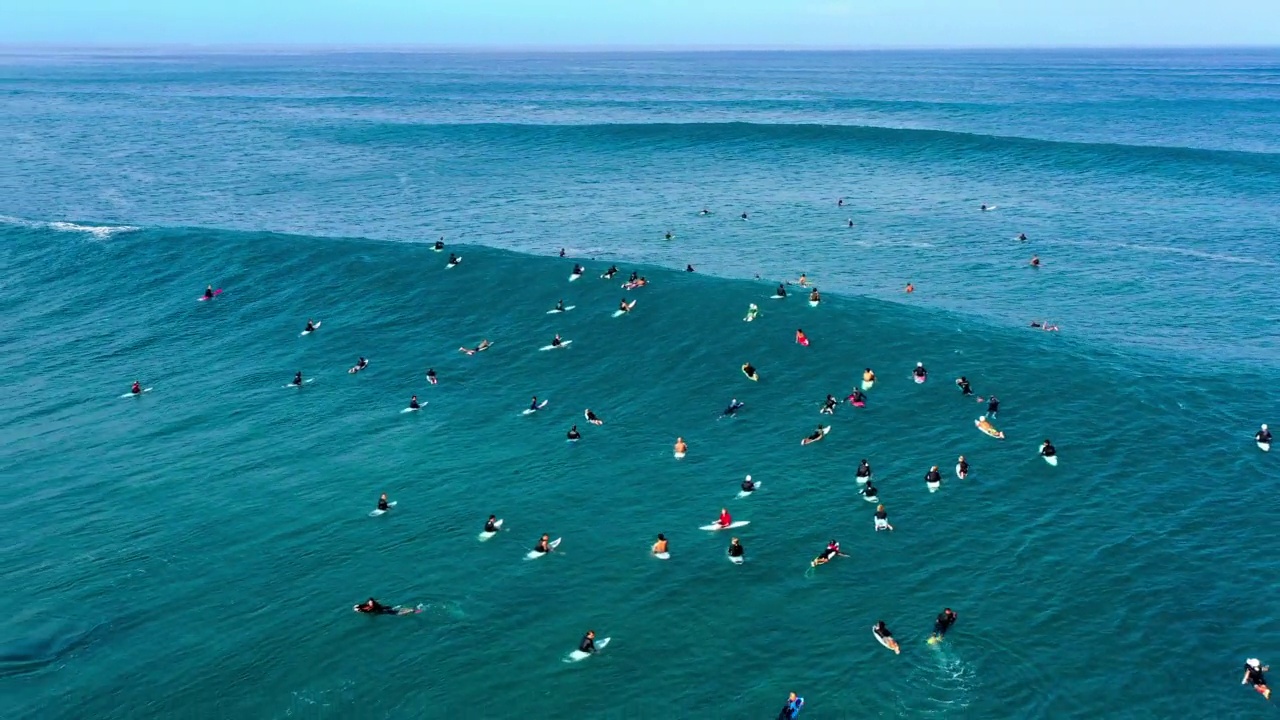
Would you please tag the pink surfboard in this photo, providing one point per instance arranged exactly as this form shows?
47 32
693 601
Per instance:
216 293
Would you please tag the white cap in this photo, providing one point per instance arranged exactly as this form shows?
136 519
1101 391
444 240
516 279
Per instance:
919 364
1264 426
748 477
1253 663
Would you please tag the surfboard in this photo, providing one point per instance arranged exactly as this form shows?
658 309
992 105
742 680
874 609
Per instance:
858 403
890 644
432 379
777 297
457 260
1263 446
803 341
754 377
933 486
990 432
578 655
825 429
530 411
304 382
357 368
620 312
814 303
485 535
574 276
871 498
1051 459
137 394
216 293
534 554
376 513
567 308
717 526
313 329
678 455
663 555
959 473
736 560
868 384
863 480
563 343
744 493
989 208
919 378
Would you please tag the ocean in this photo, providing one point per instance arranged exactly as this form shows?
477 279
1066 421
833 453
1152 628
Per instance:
194 552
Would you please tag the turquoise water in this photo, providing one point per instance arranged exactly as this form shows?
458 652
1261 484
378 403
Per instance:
194 552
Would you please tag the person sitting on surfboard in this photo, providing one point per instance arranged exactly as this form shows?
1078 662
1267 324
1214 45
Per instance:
544 544
963 383
864 470
578 269
868 376
1263 436
792 708
963 467
491 525
556 341
660 546
942 624
735 548
208 292
920 372
560 306
573 433
669 235
688 268
431 376
588 644
801 339
993 406
781 292
622 306
373 607
1253 669
744 216
748 485
533 404
829 405
453 259
725 519
591 417
733 408
885 636
310 326
382 503
681 447
297 378
440 244
413 403
882 519
814 297
1048 450
1022 237
137 390
869 490
933 476
634 276
803 281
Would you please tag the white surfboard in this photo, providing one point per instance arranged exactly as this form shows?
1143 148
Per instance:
304 382
567 308
730 526
1051 459
736 560
881 640
574 276
534 554
1263 446
989 208
744 493
814 303
863 480
357 368
959 473
663 555
563 343
147 390
376 513
530 411
933 486
413 409
871 498
678 455
919 378
620 312
313 329
578 655
826 430
485 535
868 384
453 264
777 297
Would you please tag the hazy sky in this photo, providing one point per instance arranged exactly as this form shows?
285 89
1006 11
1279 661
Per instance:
825 23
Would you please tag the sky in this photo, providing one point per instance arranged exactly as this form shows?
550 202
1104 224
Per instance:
644 23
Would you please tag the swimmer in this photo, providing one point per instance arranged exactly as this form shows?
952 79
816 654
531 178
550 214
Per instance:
661 545
137 390
993 406
544 545
484 345
963 383
413 403
1262 436
208 292
781 291
297 378
748 485
920 372
491 525
592 418
1253 669
1047 449
454 259
963 466
440 243
910 288
382 503
725 518
942 624
681 447
864 470
588 644
883 633
1035 261
573 433
733 408
373 607
431 376
829 406
882 519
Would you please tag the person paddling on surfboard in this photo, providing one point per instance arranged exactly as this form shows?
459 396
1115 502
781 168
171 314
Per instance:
660 546
963 383
725 518
801 339
920 372
592 417
137 390
748 485
833 549
297 378
815 436
882 519
208 292
413 403
544 545
736 549
885 636
373 607
864 470
792 708
608 274
829 405
1047 449
985 426
868 376
491 525
382 503
749 370
733 408
573 433
431 376
942 624
1035 261
1253 669
588 644
1263 436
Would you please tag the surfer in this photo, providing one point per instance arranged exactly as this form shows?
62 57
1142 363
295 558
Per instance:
373 607
669 235
137 390
592 418
681 447
533 404
608 274
634 276
985 426
942 624
910 288
1262 436
413 403
454 259
753 311
491 525
857 399
840 202
705 212
578 269
544 545
360 365
1047 449
561 252
814 296
868 376
749 370
1022 237
920 372
801 339
688 268
1045 326
733 408
1035 261
297 378
735 548
208 292
885 636
815 436
382 503
440 244
1253 669
310 326
864 470
484 345
588 644
962 467
781 292
431 376
556 341
792 708
748 485
870 491
744 216
933 476
882 519
833 549
984 208
829 407
993 406
660 546
560 305
573 433
803 281
963 383
725 519
623 307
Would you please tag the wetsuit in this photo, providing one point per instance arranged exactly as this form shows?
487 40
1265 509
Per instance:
543 547
749 370
1254 676
208 293
489 526
964 467
993 406
382 504
882 517
591 417
573 434
413 404
864 470
373 607
733 408
920 372
310 327
829 406
748 486
883 632
1048 450
782 292
613 270
964 386
439 245
560 306
943 623
933 476
1263 436
297 379
857 397
633 277
870 490
556 342
588 645
534 405
816 435
688 268
736 550
431 374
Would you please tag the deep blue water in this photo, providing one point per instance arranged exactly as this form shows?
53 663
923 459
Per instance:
194 552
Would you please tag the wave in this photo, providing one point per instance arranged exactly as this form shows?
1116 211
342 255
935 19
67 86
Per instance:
98 231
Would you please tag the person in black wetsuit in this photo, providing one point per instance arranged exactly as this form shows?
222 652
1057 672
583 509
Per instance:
491 525
1253 674
297 378
382 503
310 327
744 216
748 485
733 408
669 235
453 259
833 549
688 268
829 406
431 375
208 292
588 644
781 292
1047 449
573 433
440 244
634 276
943 623
556 341
736 549
608 274
963 383
920 372
933 476
792 708
1262 436
864 470
1022 237
964 466
533 404
870 491
578 269
993 406
856 397
560 305
373 607
413 403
